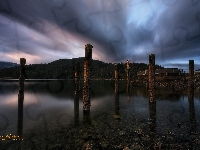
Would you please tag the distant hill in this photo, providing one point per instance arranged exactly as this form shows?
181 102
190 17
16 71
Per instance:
7 64
63 69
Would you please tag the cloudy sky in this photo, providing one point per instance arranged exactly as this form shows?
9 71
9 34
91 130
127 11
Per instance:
46 30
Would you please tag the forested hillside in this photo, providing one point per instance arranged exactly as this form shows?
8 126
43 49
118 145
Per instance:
63 69
7 64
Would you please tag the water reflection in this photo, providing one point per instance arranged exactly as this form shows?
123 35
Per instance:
152 112
152 125
76 92
76 108
117 109
193 129
20 114
152 118
128 92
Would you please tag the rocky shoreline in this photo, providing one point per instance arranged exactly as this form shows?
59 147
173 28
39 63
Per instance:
177 83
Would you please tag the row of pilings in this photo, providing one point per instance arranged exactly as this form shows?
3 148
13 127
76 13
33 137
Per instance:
88 72
87 77
152 101
87 92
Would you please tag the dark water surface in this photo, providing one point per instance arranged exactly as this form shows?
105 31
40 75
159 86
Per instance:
50 117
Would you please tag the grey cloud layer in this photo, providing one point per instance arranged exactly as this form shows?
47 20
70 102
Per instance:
51 29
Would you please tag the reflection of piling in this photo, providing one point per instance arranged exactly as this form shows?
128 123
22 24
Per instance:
117 109
86 117
151 78
76 107
20 115
128 89
152 126
192 112
87 77
22 74
128 92
76 92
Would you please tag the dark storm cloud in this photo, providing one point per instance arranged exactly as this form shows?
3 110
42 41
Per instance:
43 31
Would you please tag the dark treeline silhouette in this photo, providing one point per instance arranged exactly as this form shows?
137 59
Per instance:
64 69
7 64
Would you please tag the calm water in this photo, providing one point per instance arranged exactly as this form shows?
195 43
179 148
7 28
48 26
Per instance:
50 117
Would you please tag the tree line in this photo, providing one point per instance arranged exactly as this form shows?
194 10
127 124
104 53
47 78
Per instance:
64 69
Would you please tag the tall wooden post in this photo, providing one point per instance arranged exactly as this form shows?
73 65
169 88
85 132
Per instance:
128 74
117 114
22 78
76 92
21 97
76 77
151 78
191 97
116 78
87 77
191 74
152 100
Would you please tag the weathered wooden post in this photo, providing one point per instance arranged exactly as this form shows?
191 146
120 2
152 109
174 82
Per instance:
116 78
76 77
191 75
152 100
76 92
191 97
22 78
128 69
87 77
151 78
117 115
21 96
128 74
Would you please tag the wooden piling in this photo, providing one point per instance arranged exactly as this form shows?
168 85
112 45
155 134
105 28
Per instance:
21 96
191 75
116 78
128 74
191 97
87 77
117 115
151 78
22 76
76 92
76 77
152 101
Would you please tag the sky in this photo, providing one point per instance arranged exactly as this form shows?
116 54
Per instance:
43 31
